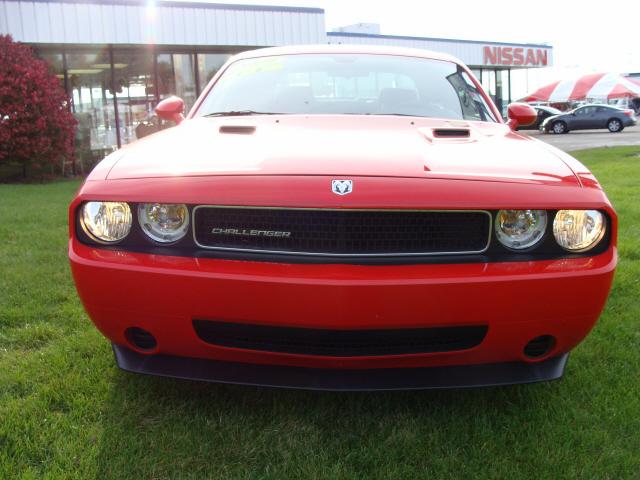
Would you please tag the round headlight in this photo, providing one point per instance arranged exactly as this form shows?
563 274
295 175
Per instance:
106 222
578 230
164 222
520 229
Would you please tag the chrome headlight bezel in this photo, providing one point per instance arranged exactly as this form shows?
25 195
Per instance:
599 220
155 231
124 221
534 237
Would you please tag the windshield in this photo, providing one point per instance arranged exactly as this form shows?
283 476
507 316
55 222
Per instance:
346 84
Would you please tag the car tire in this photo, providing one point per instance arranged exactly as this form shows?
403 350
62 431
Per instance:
559 128
615 126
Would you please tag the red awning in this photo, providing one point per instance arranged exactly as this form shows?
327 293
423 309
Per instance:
595 86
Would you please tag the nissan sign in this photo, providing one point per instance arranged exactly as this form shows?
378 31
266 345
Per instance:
516 56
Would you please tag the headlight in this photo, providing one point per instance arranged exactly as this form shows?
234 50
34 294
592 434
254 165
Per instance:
578 230
164 222
106 222
520 229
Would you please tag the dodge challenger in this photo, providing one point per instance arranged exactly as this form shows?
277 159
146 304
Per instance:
343 218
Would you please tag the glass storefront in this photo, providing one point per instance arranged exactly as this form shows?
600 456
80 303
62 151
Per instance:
497 83
135 92
114 91
208 66
92 103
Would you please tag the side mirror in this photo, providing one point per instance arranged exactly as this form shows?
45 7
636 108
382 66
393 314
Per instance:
171 108
520 115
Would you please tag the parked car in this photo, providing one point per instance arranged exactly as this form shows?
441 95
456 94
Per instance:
590 117
343 218
543 112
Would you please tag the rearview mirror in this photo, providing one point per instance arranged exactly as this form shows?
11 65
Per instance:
520 115
172 109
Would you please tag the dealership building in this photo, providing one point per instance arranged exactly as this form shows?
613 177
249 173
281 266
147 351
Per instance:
117 58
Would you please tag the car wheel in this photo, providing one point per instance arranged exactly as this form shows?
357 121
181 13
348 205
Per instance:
559 127
614 125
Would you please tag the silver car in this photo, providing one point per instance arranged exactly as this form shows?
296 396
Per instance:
589 117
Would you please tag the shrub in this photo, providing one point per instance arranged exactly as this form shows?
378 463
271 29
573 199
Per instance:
36 126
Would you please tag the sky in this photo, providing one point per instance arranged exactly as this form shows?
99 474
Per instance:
586 36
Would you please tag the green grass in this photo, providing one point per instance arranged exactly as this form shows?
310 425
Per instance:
66 411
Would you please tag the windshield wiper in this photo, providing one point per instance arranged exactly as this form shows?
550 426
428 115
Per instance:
239 113
393 114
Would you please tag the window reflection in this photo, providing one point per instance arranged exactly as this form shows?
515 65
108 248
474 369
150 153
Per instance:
55 63
208 66
184 72
176 76
89 79
135 92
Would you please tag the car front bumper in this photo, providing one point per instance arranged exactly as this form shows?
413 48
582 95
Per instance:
279 376
518 301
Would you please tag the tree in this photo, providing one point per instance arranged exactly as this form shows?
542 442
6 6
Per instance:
36 127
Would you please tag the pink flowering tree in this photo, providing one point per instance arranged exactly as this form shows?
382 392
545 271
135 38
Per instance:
36 127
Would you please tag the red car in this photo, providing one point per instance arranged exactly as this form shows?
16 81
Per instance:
343 218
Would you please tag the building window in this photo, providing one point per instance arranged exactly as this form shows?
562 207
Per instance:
55 61
208 66
176 76
89 83
114 91
135 92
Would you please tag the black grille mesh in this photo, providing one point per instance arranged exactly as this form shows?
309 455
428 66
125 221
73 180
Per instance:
339 343
342 232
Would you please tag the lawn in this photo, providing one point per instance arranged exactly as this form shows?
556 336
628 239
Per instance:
66 411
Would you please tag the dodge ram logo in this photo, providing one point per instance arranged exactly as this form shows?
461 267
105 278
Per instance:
342 187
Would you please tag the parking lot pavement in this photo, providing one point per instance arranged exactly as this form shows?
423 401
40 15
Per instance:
589 138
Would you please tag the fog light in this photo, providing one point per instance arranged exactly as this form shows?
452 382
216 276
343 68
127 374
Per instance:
539 346
141 338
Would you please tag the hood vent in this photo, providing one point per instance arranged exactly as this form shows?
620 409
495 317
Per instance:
451 133
238 129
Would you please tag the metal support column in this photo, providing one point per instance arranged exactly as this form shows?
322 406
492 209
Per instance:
115 97
196 74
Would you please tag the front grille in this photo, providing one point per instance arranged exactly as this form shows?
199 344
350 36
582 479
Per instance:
339 343
345 232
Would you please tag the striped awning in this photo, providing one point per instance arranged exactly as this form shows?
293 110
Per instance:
596 86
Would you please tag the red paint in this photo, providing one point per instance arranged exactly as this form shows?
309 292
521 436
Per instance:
518 301
171 109
517 56
306 145
395 163
521 114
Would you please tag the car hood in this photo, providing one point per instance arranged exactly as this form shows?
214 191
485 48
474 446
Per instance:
342 146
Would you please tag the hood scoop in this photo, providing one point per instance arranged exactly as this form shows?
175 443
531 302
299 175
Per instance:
462 134
451 132
238 129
